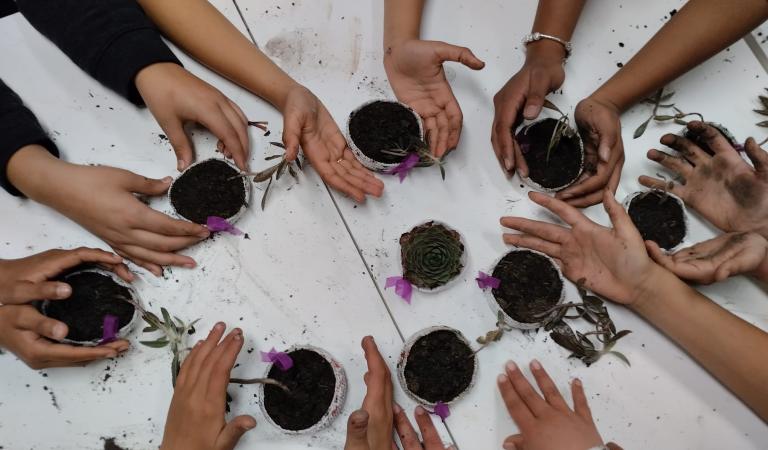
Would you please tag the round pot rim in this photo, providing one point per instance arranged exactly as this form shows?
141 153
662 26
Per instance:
536 186
404 359
246 186
686 224
126 329
464 258
337 403
366 160
494 304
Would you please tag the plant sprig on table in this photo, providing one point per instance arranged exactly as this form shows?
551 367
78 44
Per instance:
764 112
174 332
495 334
273 173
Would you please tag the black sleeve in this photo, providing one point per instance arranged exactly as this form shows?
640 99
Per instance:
112 40
18 128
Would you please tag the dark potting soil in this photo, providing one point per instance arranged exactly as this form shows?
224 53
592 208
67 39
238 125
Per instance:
659 218
565 160
384 126
208 189
530 285
93 296
439 367
312 385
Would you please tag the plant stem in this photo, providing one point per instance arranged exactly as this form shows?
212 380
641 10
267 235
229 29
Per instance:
259 381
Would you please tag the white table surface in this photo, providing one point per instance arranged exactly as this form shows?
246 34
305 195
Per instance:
300 278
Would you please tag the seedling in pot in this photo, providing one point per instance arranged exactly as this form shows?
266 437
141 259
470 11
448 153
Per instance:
416 155
274 172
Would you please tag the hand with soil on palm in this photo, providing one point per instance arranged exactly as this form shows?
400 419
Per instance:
723 188
717 259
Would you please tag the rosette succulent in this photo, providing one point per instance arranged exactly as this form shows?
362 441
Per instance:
431 255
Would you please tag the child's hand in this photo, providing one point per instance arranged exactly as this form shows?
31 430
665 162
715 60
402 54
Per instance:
430 439
308 124
546 423
26 279
196 418
723 188
175 96
415 71
717 259
611 262
600 128
523 97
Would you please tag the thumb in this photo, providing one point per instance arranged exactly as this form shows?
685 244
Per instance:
613 446
180 143
357 431
448 52
149 186
24 292
513 442
292 138
233 431
538 88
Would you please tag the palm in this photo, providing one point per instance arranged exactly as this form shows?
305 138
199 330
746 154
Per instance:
418 79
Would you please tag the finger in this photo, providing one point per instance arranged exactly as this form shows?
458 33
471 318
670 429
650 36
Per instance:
660 257
353 177
547 387
619 217
196 360
516 407
442 134
240 114
357 431
160 258
513 442
538 88
737 264
455 119
608 140
504 134
234 430
527 394
522 164
710 135
161 242
533 243
147 186
686 148
463 55
30 319
121 270
157 222
408 437
241 128
377 367
179 140
152 268
591 184
668 186
218 123
597 196
432 133
757 155
184 370
567 213
291 138
428 431
22 292
547 231
677 165
580 405
331 176
67 259
62 353
222 364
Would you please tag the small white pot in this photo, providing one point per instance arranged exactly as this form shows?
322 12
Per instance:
246 186
126 329
464 257
496 308
404 358
684 242
536 186
362 157
337 403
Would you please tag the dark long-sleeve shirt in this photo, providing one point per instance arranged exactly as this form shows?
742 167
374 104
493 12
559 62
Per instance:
112 40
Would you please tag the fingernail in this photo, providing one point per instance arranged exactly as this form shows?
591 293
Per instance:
188 266
59 331
420 411
535 364
250 426
219 326
63 290
511 366
237 331
605 154
502 378
566 196
397 408
204 234
167 180
577 382
180 165
507 164
238 337
509 446
531 112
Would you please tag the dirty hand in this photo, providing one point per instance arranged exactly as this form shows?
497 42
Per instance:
546 422
523 97
717 259
196 418
308 124
600 128
723 188
175 96
430 439
415 71
611 262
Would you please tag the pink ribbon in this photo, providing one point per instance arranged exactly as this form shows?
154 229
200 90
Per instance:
402 169
485 281
110 328
280 359
216 224
442 410
402 287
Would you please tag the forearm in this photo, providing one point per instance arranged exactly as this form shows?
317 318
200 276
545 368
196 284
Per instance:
727 346
222 47
402 21
556 18
697 32
33 171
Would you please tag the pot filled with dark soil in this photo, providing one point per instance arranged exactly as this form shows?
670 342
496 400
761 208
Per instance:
379 128
212 187
317 388
531 285
432 256
437 364
96 293
660 217
553 164
698 140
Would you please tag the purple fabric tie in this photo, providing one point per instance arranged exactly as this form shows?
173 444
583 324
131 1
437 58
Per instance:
442 410
402 169
216 224
402 287
280 359
485 281
110 328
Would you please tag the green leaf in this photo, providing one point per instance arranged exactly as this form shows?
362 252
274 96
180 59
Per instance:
271 157
663 118
764 101
442 171
281 169
277 144
298 163
621 356
149 329
160 343
620 335
763 124
763 112
292 172
667 96
264 196
265 174
166 316
175 367
681 122
641 129
550 105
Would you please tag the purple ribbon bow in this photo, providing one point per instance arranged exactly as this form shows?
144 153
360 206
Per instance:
485 281
442 410
402 287
215 224
110 329
280 359
404 167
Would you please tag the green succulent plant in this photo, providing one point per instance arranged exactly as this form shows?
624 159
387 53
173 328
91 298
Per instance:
431 255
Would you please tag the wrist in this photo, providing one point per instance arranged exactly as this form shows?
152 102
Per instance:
30 170
602 98
279 95
545 50
147 76
655 287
